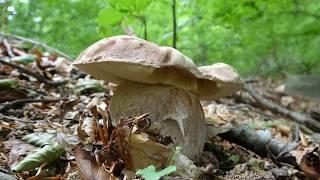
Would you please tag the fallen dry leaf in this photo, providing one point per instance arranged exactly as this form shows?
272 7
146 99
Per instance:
144 152
218 119
18 149
11 95
303 139
66 107
310 163
88 167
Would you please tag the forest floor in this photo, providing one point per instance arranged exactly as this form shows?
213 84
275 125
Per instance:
54 124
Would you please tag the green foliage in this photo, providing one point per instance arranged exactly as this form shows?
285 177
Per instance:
86 85
66 25
24 59
120 13
269 36
235 159
47 154
8 84
149 173
255 36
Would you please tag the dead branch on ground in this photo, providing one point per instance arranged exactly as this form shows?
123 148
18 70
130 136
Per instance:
37 76
18 103
298 117
37 43
257 142
8 48
14 119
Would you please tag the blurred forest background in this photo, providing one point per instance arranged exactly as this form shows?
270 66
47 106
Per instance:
266 37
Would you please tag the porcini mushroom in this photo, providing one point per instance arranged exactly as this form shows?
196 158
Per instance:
160 81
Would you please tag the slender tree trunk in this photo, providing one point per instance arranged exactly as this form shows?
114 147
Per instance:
174 18
144 22
4 16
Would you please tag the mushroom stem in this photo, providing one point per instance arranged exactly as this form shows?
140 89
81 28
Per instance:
176 112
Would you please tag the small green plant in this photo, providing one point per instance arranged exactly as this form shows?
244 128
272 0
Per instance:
150 173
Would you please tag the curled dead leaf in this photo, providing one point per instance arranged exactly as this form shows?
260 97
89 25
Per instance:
218 119
66 107
144 152
18 150
88 167
310 163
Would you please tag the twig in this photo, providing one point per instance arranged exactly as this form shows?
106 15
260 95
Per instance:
8 48
296 133
251 80
315 114
265 115
37 43
14 119
298 117
20 102
37 76
257 142
4 170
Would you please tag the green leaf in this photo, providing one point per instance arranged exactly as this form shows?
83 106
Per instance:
104 30
122 5
8 84
235 159
25 59
88 85
129 20
141 5
109 16
40 138
47 154
149 173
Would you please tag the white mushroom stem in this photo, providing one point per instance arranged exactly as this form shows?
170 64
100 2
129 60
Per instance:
177 112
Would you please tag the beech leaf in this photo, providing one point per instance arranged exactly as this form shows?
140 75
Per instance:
88 167
39 138
47 154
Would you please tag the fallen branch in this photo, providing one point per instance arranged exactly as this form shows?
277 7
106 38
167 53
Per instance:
49 48
8 48
315 115
298 117
257 142
37 76
17 103
14 119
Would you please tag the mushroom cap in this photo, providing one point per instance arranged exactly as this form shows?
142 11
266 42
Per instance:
127 58
220 78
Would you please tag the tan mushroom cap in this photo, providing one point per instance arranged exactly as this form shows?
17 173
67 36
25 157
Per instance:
220 78
122 58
